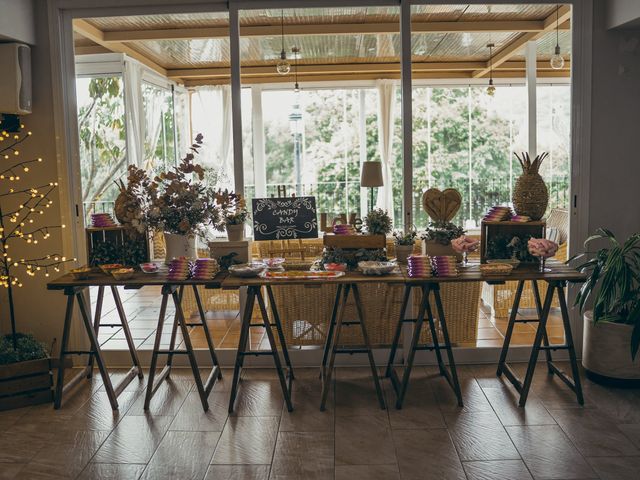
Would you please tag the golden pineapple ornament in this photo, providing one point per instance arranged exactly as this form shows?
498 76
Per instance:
530 194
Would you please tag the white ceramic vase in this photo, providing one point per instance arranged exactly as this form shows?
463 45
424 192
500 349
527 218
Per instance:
179 246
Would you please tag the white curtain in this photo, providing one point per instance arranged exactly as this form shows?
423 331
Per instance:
153 115
211 116
386 120
133 112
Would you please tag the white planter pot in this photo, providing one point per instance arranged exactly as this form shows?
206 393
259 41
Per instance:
179 246
606 350
235 233
403 252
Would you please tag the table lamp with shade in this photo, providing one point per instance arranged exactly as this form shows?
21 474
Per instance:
371 177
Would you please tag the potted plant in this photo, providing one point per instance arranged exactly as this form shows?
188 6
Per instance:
404 244
612 325
437 239
25 366
181 205
234 214
378 222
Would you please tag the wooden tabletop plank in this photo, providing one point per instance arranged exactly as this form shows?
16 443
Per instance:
138 280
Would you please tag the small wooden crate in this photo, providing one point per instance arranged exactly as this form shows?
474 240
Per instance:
25 383
222 248
116 235
492 229
355 242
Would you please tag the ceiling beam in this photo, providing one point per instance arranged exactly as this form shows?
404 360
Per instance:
96 35
327 29
351 68
564 14
193 82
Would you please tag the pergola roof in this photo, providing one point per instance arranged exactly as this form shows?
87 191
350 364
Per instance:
448 41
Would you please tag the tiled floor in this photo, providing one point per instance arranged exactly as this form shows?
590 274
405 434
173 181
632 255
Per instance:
430 438
142 308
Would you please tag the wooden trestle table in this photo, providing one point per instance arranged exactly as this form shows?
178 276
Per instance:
556 279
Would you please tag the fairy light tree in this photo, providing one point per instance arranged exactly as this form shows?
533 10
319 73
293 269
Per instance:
20 211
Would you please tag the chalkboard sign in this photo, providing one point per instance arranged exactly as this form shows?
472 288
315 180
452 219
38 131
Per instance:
284 218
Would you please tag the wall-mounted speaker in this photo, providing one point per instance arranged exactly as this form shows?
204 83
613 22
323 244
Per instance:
15 78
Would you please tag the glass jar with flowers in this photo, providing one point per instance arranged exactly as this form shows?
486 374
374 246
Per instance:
181 205
404 244
234 214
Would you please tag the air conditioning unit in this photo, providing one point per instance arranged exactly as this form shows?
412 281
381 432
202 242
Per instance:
15 78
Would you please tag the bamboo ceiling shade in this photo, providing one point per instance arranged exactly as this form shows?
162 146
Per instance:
448 41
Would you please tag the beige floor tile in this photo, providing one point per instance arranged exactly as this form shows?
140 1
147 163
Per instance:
505 404
616 468
166 401
548 453
238 472
419 409
370 472
593 433
247 441
427 455
306 455
134 440
632 432
182 455
472 395
106 471
306 415
356 397
259 398
363 440
480 436
65 457
10 471
192 418
497 470
21 447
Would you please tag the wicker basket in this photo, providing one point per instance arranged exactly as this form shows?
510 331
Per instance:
460 302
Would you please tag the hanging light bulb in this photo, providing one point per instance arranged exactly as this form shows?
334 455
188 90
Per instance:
282 67
491 89
295 51
557 60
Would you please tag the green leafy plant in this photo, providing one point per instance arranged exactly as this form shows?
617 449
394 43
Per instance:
378 222
350 257
129 253
407 239
22 348
443 232
613 282
503 246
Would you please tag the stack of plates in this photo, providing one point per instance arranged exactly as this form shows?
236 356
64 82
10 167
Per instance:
178 269
344 229
445 266
419 266
204 269
497 214
101 220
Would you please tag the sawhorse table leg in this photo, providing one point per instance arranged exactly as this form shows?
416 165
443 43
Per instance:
254 293
451 375
95 353
541 342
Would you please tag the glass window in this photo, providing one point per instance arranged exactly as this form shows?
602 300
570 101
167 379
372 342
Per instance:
101 125
554 137
159 130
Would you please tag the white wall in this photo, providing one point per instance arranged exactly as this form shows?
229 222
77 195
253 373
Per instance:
16 21
623 13
39 311
615 127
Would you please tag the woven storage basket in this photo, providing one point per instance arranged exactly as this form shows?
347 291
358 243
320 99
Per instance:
460 302
305 313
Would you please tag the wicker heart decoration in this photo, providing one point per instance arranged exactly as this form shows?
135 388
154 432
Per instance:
441 206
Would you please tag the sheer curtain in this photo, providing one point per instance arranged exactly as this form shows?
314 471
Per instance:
133 111
211 116
153 116
386 120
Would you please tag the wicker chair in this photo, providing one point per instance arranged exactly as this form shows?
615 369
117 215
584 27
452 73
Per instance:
500 297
